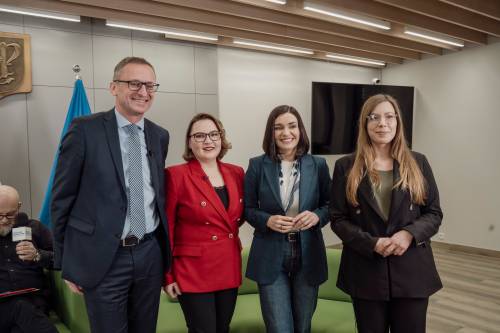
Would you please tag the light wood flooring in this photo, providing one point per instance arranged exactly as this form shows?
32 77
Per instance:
470 299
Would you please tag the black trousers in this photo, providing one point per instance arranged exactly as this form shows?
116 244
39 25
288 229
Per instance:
401 315
127 299
209 312
25 314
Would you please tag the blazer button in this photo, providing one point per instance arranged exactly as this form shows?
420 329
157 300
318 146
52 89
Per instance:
238 219
358 211
231 235
203 203
206 222
241 200
214 238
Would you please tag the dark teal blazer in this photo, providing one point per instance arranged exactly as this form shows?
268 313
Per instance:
262 199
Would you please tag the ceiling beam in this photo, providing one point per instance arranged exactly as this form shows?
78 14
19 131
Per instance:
228 21
291 19
490 8
393 14
448 13
101 13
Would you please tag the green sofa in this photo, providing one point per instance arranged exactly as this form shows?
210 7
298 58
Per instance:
334 313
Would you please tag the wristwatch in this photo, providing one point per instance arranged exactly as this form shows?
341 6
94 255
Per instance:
38 256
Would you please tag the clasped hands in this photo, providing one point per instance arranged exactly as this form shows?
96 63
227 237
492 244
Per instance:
285 224
396 245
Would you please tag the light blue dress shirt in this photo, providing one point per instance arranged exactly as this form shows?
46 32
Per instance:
152 220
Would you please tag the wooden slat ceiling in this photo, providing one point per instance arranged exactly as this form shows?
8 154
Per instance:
467 21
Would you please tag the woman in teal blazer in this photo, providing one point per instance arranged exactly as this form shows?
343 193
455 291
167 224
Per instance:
286 201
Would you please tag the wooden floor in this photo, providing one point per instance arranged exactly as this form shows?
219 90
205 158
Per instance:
470 299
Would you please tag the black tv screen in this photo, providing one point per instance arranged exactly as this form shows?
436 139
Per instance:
335 112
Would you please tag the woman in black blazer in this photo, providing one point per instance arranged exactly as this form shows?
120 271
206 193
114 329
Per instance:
385 208
286 201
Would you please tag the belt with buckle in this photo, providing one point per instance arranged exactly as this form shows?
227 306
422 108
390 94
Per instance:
132 240
292 236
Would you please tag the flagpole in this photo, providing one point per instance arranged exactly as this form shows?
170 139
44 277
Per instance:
76 70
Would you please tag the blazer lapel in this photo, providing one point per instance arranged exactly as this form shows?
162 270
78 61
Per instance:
365 190
151 155
271 173
201 182
111 129
307 179
232 191
397 194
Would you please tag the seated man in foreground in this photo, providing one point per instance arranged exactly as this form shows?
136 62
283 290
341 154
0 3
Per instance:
25 250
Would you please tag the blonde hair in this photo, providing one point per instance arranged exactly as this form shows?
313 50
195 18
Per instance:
411 177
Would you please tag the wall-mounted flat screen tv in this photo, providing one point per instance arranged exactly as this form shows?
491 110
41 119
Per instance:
335 112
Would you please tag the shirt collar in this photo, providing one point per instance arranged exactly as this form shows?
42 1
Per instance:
122 121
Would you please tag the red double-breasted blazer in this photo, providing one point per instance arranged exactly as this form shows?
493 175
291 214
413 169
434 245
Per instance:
203 234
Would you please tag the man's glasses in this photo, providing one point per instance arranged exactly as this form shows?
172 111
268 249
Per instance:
135 85
9 215
201 137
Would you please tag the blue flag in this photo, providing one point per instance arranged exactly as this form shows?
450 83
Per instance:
78 107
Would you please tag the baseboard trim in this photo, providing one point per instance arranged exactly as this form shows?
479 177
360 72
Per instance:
450 247
466 249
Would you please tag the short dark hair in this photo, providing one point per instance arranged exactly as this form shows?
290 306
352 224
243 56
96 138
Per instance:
225 145
269 144
130 60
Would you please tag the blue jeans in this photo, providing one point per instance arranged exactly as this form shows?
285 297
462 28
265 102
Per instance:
288 303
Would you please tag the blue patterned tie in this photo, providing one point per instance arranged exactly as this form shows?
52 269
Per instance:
136 214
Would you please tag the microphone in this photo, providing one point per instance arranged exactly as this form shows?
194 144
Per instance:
21 234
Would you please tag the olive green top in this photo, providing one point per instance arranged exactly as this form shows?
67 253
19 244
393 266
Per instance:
383 194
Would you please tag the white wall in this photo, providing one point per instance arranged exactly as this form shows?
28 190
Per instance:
251 84
31 123
457 125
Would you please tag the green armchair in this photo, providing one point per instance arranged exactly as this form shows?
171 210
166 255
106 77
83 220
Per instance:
334 313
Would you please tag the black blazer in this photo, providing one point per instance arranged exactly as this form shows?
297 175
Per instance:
89 202
262 199
364 273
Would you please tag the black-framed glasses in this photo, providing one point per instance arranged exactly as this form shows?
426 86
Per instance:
136 85
201 137
377 119
9 215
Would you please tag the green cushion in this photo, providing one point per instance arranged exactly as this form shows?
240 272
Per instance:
247 316
247 286
333 317
170 317
329 290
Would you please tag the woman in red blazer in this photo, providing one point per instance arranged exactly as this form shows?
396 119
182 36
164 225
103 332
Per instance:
204 206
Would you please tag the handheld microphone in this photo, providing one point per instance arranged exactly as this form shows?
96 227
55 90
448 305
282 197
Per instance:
21 234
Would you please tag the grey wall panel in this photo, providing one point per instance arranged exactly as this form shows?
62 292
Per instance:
108 51
14 169
207 104
11 28
104 101
47 109
8 18
39 22
206 70
174 64
173 112
55 52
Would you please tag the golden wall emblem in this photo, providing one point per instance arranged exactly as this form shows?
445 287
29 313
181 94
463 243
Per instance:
15 64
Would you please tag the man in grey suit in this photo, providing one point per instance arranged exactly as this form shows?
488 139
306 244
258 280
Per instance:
110 230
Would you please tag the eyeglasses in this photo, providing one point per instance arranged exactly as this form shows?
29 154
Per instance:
135 85
9 215
201 137
377 119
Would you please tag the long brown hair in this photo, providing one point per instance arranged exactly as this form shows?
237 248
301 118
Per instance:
225 145
411 177
269 143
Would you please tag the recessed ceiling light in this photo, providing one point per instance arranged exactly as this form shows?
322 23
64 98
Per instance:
277 47
348 16
161 30
39 13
